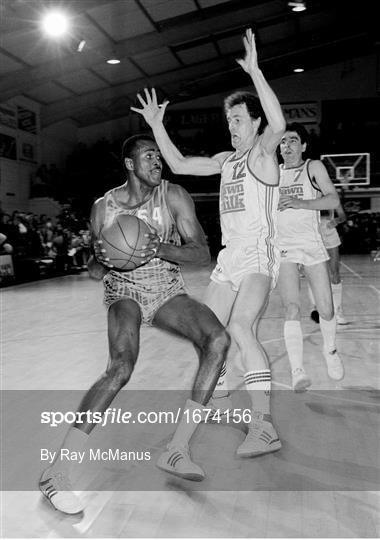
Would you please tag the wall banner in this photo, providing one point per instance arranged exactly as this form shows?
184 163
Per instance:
27 120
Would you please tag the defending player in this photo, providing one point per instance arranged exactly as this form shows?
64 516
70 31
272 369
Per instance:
154 294
247 267
305 188
329 220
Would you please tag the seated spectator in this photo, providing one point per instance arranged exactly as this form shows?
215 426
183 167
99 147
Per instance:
5 247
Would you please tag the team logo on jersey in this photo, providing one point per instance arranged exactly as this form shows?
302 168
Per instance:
293 191
232 197
284 252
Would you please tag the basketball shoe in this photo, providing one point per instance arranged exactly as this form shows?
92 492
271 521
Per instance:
335 368
300 380
176 460
58 490
261 437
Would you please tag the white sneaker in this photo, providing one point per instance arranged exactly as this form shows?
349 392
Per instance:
58 490
335 368
340 318
177 461
261 438
300 380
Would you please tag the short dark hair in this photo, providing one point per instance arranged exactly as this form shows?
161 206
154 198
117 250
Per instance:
253 104
300 130
131 144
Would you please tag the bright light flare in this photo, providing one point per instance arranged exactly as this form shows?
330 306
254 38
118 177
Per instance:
55 24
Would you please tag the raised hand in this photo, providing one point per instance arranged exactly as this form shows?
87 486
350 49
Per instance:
151 111
249 62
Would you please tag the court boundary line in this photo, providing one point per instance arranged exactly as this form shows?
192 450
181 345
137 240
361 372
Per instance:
359 276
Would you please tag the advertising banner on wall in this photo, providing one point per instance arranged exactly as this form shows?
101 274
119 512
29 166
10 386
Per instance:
27 150
26 120
8 147
307 113
8 115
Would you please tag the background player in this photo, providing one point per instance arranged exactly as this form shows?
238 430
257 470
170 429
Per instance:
247 267
305 188
329 220
153 293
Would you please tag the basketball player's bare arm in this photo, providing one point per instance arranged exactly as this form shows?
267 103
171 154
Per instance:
195 249
329 199
153 114
339 218
263 161
268 99
97 264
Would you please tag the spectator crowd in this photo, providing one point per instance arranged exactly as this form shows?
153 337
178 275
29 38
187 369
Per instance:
42 246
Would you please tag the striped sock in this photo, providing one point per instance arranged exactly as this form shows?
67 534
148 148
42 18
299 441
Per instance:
258 385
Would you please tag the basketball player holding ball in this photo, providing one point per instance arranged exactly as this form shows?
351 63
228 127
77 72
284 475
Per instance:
154 294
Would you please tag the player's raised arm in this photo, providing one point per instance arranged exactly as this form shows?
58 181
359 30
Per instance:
268 99
195 249
153 114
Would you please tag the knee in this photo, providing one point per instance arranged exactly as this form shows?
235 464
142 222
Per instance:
217 341
292 312
241 327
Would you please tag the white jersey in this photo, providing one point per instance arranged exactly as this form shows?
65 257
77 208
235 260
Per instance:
248 206
299 228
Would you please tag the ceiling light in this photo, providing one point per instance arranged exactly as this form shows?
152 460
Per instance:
113 61
55 24
297 5
298 70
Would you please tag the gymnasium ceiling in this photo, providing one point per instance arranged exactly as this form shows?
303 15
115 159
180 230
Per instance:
184 48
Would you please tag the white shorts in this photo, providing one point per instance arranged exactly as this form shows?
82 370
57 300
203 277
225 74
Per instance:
330 236
237 261
307 256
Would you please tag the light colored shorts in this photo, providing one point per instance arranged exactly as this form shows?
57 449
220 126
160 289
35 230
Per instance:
307 256
237 261
330 236
150 287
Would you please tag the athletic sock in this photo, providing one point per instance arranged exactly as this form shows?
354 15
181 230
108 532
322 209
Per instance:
328 329
258 385
74 441
190 419
294 343
311 297
337 296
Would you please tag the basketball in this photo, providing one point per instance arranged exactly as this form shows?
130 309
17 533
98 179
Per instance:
123 241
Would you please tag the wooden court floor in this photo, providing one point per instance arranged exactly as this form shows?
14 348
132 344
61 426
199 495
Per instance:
323 483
